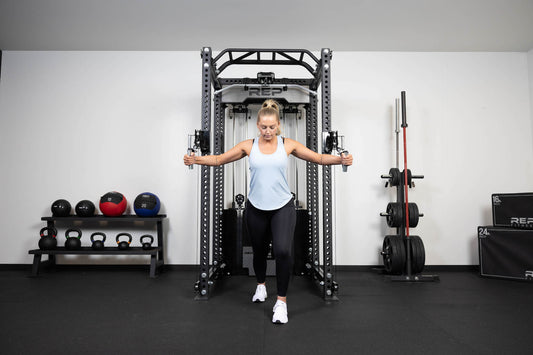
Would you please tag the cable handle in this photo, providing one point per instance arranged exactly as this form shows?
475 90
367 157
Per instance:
344 167
189 153
191 149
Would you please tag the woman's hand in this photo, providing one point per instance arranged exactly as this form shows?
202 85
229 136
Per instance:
189 159
346 159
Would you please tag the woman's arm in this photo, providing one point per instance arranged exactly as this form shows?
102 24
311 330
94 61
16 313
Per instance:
239 151
301 151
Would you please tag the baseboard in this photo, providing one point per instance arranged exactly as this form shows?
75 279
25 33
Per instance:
193 267
427 268
14 267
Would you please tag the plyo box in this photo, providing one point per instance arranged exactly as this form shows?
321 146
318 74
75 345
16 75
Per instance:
513 210
505 252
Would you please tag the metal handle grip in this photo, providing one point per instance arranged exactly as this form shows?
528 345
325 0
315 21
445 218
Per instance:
344 167
189 152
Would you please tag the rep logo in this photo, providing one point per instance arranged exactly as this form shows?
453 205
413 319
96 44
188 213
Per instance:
525 222
264 91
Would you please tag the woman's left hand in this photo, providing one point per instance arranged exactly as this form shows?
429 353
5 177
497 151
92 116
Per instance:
346 159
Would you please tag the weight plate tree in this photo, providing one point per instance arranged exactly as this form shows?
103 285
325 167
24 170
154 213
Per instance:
403 254
228 91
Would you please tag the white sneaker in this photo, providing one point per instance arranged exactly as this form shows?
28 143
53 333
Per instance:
280 313
260 294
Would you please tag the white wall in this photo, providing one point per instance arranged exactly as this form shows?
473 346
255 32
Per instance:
530 70
78 124
75 125
469 133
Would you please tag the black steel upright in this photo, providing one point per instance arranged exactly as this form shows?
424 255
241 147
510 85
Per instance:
312 187
205 177
218 182
327 202
320 265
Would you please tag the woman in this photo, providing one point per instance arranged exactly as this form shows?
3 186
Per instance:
270 202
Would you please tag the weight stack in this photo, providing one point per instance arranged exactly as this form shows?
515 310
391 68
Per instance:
237 248
234 238
513 210
505 252
301 242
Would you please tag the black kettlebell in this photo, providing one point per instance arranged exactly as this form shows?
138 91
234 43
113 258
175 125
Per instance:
123 244
48 241
73 243
147 245
97 244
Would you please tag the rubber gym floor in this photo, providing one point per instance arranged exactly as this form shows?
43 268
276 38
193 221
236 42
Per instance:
118 310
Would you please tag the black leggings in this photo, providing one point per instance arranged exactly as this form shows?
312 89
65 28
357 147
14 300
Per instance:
281 224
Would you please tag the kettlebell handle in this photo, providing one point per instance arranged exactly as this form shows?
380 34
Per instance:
52 232
67 233
98 233
124 234
147 236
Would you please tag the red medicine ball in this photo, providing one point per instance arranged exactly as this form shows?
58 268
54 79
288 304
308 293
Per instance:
113 204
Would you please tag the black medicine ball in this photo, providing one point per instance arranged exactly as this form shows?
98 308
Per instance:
61 208
85 208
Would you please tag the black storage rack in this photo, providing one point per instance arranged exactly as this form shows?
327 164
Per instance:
156 253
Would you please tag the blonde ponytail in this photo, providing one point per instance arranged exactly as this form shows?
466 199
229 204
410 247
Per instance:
270 103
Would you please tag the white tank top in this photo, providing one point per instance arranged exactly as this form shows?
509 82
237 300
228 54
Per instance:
269 189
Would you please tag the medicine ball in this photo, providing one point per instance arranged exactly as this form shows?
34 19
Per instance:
85 208
146 205
61 208
113 204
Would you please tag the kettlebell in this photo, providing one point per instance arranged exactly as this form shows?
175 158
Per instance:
48 241
97 244
123 244
73 243
147 245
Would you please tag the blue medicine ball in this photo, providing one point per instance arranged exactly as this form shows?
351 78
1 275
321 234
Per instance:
146 205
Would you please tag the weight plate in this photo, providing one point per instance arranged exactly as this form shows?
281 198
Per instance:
394 254
418 254
395 177
389 214
414 215
394 215
409 178
399 219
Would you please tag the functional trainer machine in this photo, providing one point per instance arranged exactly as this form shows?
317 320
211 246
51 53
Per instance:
223 97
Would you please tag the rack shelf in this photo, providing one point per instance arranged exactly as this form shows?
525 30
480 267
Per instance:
156 253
